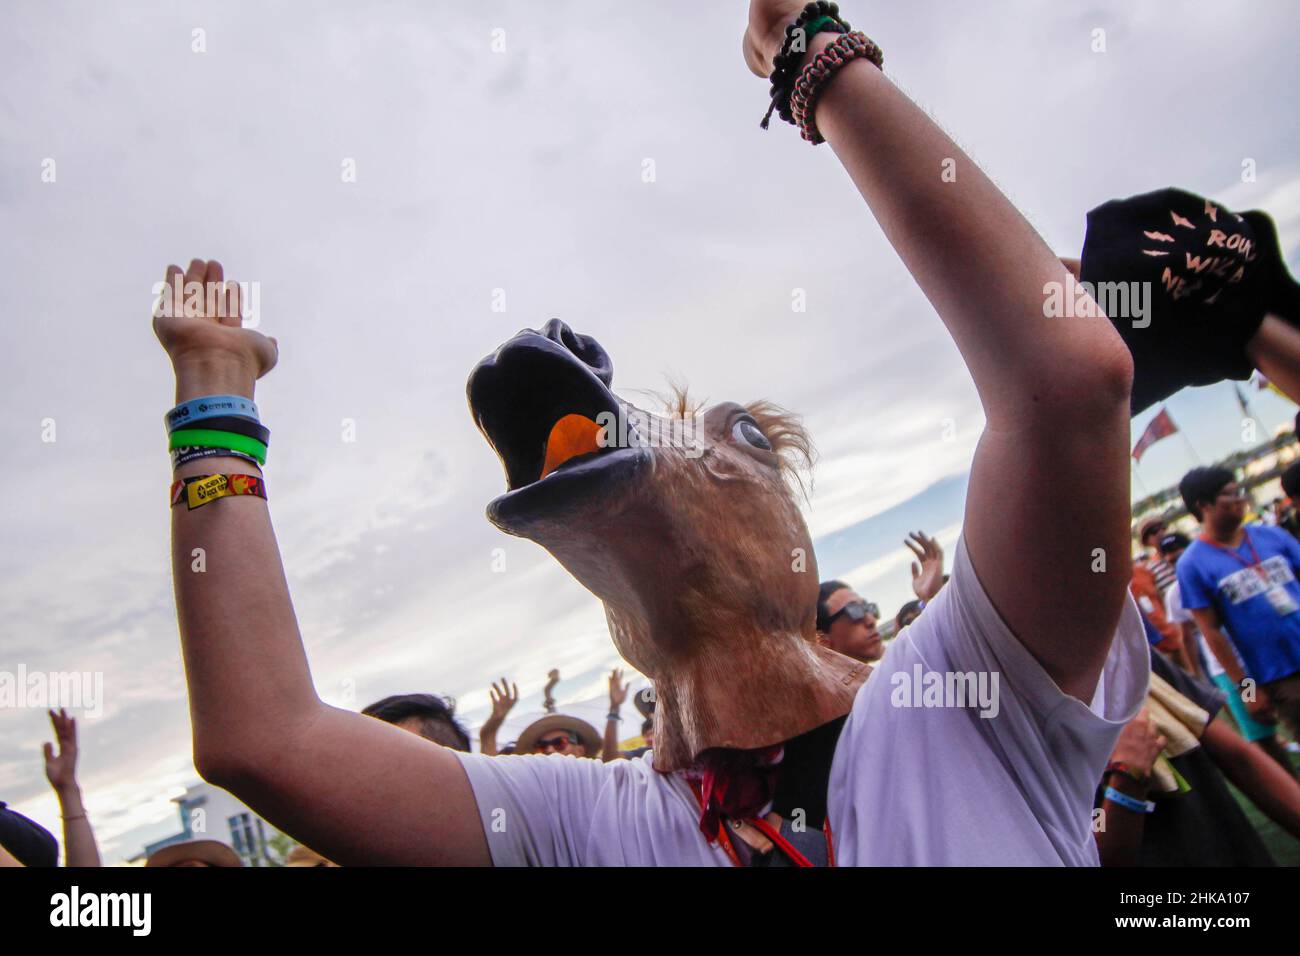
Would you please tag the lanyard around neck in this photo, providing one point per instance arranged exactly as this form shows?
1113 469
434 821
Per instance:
1257 566
762 826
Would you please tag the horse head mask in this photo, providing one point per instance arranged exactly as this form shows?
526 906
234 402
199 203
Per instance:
684 526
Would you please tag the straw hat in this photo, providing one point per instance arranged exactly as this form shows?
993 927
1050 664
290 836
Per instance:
527 742
211 852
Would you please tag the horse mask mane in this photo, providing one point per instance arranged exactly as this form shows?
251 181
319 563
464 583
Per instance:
684 527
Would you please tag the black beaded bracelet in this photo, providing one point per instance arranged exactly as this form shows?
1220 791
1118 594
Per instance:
785 65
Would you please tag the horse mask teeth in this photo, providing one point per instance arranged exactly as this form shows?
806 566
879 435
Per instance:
571 436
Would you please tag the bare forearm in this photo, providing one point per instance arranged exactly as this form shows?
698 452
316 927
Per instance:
487 738
1223 651
1275 350
610 748
975 257
244 660
1119 841
1255 774
79 848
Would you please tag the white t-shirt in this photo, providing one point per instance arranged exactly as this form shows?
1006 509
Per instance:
1176 612
909 785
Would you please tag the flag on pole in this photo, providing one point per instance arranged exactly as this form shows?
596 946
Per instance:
1162 426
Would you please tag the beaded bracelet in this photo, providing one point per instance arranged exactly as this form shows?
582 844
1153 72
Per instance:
816 17
814 77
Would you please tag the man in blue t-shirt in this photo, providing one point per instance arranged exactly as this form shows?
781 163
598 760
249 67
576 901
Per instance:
1243 577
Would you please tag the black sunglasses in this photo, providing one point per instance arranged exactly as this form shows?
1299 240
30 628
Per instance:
558 742
856 611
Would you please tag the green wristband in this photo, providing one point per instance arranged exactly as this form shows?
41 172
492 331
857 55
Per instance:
814 27
211 438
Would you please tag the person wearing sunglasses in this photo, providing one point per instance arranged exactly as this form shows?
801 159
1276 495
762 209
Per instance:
846 622
1242 578
560 734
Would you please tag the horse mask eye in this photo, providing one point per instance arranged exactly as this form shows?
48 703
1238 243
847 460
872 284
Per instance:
747 432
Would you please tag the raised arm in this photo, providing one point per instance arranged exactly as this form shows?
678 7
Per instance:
79 846
357 790
503 698
1055 391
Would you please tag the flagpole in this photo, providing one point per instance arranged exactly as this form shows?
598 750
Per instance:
1137 475
1196 459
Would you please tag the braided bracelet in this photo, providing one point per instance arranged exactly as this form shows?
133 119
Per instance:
814 77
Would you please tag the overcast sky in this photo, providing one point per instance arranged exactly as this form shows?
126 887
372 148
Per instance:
503 146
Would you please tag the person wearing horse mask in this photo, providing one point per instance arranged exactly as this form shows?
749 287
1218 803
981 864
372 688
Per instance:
977 739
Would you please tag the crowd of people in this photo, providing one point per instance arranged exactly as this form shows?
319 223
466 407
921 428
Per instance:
1045 701
1223 705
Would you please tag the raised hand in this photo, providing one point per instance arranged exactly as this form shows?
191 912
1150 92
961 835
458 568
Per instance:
617 689
201 331
504 696
927 575
61 769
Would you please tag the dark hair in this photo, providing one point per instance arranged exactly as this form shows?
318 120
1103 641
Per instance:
1291 480
647 726
437 717
1203 485
908 608
26 840
823 594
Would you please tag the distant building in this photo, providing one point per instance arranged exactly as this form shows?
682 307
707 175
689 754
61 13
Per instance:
210 813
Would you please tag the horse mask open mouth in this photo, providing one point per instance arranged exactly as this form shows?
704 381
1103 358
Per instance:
683 525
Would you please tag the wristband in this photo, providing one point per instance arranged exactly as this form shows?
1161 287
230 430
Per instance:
210 406
190 453
1129 803
817 17
1119 766
613 715
234 423
814 77
200 490
215 439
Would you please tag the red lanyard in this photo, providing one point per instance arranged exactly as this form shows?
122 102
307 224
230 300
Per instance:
1257 567
769 831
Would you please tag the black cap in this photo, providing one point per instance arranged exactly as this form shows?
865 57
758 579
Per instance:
26 840
1213 275
1175 541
